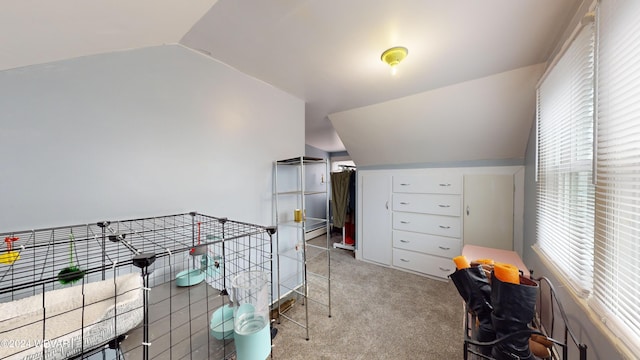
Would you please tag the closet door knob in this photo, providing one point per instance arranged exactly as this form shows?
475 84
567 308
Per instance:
404 260
444 248
444 206
445 227
444 184
404 222
405 184
445 269
404 241
404 203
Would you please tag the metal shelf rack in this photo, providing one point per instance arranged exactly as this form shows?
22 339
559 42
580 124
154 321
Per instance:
298 260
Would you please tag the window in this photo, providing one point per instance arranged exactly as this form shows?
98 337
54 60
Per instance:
565 157
592 232
617 201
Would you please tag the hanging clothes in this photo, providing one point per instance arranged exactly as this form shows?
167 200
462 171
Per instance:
340 196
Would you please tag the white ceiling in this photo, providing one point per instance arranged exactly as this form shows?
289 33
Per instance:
326 52
37 31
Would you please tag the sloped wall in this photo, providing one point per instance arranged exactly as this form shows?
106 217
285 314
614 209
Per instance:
146 132
483 119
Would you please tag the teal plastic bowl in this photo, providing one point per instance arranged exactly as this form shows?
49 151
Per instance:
189 277
221 325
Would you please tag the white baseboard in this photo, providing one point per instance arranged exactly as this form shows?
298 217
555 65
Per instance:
315 233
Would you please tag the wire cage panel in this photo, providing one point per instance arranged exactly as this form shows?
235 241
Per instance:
140 288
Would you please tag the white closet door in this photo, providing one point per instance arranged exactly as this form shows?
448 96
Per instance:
488 210
376 218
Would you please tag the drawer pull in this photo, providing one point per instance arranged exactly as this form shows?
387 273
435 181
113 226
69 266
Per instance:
405 184
442 247
443 184
405 260
444 206
445 269
404 203
404 241
445 227
405 222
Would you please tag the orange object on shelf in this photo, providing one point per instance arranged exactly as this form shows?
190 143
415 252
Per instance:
484 261
507 273
461 262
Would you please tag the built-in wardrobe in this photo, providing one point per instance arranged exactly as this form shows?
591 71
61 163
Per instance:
417 220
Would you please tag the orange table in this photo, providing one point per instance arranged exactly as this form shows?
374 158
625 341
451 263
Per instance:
473 252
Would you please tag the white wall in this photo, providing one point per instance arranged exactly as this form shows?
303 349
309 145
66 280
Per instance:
481 119
147 132
317 179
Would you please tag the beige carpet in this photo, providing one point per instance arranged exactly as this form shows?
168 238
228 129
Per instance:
377 313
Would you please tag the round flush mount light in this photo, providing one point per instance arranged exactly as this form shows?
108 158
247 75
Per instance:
394 56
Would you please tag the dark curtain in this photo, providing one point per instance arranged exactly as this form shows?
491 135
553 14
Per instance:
340 196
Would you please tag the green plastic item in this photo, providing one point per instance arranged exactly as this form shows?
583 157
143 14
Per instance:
72 273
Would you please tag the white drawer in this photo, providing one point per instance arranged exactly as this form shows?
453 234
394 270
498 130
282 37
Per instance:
422 263
428 244
440 183
428 224
439 204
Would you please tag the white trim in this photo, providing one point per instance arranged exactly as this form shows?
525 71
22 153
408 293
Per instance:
583 305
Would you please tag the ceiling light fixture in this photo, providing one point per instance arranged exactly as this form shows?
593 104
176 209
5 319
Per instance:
393 57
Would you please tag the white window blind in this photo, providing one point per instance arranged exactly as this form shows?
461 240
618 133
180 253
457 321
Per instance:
565 159
617 234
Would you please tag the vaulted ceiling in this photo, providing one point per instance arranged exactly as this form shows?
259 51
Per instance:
326 52
36 32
